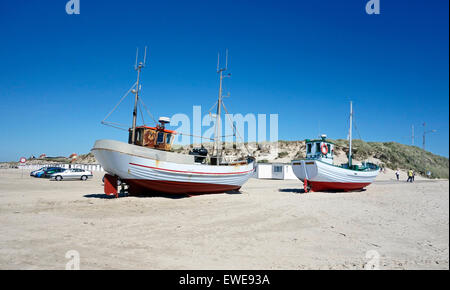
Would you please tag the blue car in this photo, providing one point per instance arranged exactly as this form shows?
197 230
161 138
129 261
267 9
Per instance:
46 172
35 173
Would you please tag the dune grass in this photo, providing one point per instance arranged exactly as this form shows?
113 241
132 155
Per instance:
395 155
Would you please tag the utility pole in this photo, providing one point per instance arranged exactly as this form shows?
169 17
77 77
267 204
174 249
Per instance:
412 135
424 134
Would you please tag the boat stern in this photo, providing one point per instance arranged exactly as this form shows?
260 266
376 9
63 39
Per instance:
304 169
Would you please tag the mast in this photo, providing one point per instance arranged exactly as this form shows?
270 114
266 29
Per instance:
217 131
138 68
350 136
218 113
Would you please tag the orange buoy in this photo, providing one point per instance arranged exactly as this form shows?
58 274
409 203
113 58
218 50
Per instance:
324 149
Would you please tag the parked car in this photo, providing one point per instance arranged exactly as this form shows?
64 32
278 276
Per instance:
35 172
73 173
45 172
51 170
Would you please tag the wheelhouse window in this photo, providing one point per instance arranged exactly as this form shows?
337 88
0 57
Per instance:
160 138
139 136
168 138
317 147
308 148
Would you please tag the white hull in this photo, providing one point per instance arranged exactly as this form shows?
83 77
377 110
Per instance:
324 176
167 172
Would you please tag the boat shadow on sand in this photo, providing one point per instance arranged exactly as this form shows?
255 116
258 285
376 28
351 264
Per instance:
153 194
292 190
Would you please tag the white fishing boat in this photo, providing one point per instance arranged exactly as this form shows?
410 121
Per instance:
318 172
146 163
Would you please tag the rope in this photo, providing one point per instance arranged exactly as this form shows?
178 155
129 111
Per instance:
114 125
140 102
142 115
235 131
356 127
212 107
196 136
148 112
124 96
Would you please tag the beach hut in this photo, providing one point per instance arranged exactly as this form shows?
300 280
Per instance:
279 171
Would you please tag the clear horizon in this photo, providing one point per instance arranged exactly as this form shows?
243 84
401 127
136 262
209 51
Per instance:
61 74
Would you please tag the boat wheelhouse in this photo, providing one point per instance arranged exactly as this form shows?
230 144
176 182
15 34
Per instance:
157 137
320 149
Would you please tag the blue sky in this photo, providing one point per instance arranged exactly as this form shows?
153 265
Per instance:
61 74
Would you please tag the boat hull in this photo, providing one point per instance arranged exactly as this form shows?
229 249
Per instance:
337 186
177 187
148 170
321 176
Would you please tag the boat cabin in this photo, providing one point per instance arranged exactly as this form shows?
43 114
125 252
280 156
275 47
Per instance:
320 149
154 137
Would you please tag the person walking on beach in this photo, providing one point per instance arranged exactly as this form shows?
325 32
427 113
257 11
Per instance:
397 174
410 176
413 175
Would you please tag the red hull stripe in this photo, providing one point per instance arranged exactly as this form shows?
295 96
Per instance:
346 186
140 186
191 172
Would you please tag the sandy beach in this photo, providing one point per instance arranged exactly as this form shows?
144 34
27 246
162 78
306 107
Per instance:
272 224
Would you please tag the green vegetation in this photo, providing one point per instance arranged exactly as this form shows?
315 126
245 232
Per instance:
56 159
263 161
395 155
299 155
87 155
282 154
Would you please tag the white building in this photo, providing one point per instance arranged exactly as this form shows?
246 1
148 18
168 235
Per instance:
274 171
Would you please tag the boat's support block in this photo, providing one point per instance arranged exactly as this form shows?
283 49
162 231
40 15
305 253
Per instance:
110 185
306 187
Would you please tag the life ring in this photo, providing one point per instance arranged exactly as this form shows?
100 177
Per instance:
324 149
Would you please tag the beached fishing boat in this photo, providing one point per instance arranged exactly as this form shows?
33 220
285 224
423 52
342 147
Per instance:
318 172
147 164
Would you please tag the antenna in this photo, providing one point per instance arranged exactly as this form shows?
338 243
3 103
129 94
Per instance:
219 69
145 55
218 61
226 59
142 63
137 54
